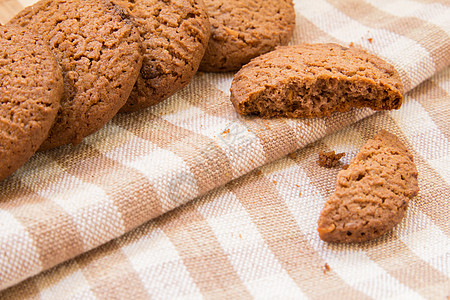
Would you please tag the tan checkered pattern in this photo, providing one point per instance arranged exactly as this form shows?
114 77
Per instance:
254 237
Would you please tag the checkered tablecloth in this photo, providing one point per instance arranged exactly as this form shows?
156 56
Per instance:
190 200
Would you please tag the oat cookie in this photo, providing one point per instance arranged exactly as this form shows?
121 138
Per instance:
175 34
31 87
99 50
315 80
244 29
372 195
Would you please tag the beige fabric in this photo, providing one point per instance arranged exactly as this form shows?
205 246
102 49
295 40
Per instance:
256 236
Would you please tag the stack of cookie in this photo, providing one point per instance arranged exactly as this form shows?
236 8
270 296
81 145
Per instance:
69 66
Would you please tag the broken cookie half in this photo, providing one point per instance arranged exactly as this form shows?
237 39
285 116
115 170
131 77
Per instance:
372 194
315 80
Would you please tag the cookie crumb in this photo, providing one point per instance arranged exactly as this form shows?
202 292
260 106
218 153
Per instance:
351 44
326 268
370 40
329 159
345 167
292 155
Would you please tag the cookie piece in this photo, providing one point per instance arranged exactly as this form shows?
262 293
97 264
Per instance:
329 159
244 29
315 80
31 87
99 50
372 194
175 34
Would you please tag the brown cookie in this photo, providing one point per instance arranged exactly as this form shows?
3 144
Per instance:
329 159
175 34
99 50
31 87
244 29
315 80
372 194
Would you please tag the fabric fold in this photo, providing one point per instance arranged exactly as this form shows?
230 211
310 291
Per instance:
70 200
256 237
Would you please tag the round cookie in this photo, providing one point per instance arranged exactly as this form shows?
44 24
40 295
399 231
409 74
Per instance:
175 34
99 50
244 29
31 87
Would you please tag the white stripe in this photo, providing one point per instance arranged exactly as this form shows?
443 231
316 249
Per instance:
413 119
310 130
424 136
299 194
425 239
434 13
242 147
307 131
253 261
442 79
79 196
111 136
348 140
432 246
159 266
442 166
167 171
98 223
69 192
400 51
67 280
220 81
352 265
196 120
20 257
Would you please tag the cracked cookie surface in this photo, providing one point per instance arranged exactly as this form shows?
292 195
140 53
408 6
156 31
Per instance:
99 50
31 87
175 34
372 194
315 80
244 29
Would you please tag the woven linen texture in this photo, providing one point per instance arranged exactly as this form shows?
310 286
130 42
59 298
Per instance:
68 201
256 237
